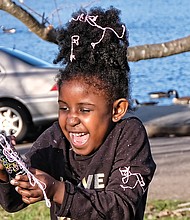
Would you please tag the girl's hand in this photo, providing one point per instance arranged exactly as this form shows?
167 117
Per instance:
2 168
31 194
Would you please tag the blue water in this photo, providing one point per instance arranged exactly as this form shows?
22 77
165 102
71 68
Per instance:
148 22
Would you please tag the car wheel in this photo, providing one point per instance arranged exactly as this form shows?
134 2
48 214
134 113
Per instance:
13 120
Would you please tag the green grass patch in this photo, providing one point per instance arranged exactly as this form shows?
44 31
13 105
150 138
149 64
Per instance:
37 211
159 209
167 210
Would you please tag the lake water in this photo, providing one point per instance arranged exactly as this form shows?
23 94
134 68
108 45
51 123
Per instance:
147 21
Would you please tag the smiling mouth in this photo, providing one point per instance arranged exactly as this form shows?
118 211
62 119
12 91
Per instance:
78 139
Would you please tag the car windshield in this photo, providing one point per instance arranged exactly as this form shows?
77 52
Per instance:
27 58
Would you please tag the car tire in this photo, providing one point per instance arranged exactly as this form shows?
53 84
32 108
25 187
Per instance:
13 119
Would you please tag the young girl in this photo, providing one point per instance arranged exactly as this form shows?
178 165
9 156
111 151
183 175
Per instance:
95 163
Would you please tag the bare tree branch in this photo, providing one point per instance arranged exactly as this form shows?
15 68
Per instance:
46 33
150 51
136 53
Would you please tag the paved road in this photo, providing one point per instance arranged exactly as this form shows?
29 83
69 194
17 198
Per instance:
172 177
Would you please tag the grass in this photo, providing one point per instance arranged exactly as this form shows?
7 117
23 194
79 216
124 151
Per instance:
167 210
37 211
159 209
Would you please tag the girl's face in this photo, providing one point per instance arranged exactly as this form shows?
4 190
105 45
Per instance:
84 116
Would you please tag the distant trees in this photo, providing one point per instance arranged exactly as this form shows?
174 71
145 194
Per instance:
46 31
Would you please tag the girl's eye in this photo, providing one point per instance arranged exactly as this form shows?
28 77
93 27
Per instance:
85 110
64 108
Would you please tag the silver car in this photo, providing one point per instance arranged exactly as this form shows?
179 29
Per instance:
28 93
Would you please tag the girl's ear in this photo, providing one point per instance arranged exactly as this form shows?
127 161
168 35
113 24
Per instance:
120 107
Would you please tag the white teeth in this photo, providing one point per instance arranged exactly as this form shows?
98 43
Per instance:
78 134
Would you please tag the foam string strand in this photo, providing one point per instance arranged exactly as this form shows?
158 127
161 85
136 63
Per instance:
91 20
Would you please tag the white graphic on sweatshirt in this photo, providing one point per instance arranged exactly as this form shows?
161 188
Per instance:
96 181
131 180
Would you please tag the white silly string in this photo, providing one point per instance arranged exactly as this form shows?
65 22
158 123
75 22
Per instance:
74 40
13 156
91 20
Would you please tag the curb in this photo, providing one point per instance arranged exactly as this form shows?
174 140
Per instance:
171 120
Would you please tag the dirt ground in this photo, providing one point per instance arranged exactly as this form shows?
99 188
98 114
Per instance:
172 177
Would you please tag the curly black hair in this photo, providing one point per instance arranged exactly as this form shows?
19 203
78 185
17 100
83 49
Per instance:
105 66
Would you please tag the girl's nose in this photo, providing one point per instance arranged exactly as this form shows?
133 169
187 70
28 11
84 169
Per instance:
73 120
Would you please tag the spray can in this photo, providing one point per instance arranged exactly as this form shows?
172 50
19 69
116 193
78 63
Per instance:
10 158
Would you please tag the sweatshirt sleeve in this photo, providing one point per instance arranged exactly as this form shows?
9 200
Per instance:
10 200
124 196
